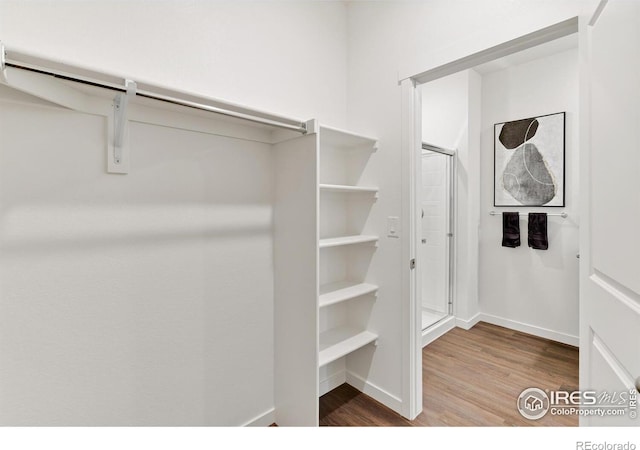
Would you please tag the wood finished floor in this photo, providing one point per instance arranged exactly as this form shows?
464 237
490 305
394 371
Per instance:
470 378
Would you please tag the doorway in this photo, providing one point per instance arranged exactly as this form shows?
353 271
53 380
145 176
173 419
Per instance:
467 311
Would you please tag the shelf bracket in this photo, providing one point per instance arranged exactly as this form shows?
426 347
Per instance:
3 64
119 157
311 126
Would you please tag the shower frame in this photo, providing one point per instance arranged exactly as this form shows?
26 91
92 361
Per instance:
451 223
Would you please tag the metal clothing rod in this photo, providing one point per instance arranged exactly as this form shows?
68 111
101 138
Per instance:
301 127
563 214
23 61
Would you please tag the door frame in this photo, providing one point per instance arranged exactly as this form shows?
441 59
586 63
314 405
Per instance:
411 147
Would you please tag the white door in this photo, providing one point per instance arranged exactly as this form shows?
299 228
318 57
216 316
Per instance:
610 243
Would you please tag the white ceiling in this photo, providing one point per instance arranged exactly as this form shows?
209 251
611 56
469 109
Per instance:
539 51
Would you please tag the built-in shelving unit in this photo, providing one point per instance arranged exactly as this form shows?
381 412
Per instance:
324 293
346 245
340 291
340 341
336 137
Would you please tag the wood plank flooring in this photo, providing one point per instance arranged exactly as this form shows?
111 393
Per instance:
470 378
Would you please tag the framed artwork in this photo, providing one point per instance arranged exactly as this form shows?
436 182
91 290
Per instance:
529 161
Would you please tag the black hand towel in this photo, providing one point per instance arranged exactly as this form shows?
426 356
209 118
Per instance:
538 231
511 229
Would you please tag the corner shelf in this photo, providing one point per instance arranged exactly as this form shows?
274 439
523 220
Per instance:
338 342
346 240
341 291
341 138
346 188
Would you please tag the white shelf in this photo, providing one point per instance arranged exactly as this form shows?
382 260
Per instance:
341 138
346 188
338 342
340 291
346 240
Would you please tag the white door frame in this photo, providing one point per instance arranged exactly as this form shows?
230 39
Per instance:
411 150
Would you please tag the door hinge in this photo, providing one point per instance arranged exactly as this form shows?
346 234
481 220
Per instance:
412 264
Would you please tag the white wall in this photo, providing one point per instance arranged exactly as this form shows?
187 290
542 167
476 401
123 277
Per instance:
385 38
286 57
522 286
123 297
445 110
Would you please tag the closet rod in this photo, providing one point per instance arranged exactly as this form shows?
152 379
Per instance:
300 128
23 61
564 215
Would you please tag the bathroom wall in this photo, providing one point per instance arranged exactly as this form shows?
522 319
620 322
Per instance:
532 290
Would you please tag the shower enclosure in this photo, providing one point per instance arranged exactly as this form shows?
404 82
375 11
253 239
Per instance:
436 247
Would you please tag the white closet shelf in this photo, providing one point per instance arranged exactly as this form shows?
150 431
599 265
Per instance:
346 240
348 188
338 342
341 291
341 138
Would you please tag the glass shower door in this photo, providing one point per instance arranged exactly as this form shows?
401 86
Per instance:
435 244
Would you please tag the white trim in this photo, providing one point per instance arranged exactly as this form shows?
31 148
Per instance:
486 48
614 364
615 289
375 392
584 83
332 382
598 12
263 420
530 329
411 316
438 330
468 323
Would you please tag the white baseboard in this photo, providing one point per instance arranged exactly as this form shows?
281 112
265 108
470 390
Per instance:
531 329
332 382
469 323
263 420
375 392
435 331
